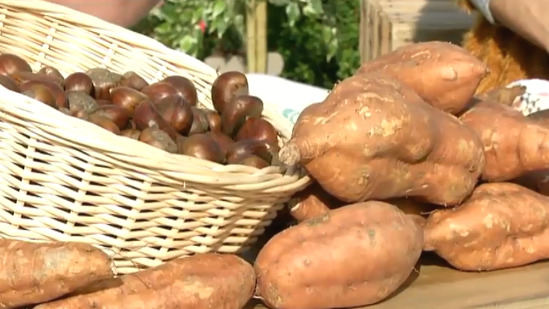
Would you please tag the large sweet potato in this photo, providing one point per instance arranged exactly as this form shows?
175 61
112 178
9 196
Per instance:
537 180
203 281
501 225
32 273
513 143
444 75
373 138
354 255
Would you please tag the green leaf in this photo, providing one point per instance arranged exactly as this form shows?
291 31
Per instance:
293 12
281 2
219 7
187 43
313 8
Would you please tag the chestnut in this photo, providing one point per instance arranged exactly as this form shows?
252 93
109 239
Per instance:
238 111
114 113
81 102
41 93
177 112
57 91
103 81
127 98
158 91
214 120
260 129
159 139
222 140
10 63
243 148
146 115
200 121
21 77
131 133
202 146
184 87
79 81
133 80
228 86
249 160
53 73
105 123
8 83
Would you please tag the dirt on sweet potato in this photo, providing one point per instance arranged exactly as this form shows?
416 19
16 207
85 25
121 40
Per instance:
501 225
514 144
375 139
355 255
202 281
443 74
34 272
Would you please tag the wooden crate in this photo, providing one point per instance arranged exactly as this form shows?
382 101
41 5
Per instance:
389 24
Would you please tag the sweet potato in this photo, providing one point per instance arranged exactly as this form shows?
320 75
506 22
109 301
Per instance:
502 225
37 272
513 144
418 210
444 75
311 202
203 281
354 255
373 138
537 180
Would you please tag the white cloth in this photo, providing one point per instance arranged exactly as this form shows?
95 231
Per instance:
287 96
535 98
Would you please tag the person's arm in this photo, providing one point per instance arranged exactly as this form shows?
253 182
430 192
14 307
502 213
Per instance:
483 6
125 13
527 18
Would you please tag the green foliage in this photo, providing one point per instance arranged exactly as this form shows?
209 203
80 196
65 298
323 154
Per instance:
317 38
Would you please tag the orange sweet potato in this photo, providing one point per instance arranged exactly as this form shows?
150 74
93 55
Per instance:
311 202
354 255
537 180
444 75
373 138
513 143
38 272
418 210
501 225
203 281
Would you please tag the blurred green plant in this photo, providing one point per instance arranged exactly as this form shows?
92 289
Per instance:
317 38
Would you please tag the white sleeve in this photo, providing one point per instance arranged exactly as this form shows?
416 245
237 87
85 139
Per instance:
484 7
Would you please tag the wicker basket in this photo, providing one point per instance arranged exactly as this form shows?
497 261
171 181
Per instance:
64 179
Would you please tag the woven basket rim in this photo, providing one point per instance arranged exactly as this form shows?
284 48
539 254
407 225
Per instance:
172 166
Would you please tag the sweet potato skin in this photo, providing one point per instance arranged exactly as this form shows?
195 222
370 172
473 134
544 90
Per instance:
513 144
312 202
386 142
502 225
203 281
38 272
354 255
421 66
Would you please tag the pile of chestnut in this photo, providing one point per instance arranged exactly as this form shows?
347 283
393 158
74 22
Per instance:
163 114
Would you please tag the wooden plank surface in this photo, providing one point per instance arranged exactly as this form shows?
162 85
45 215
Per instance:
440 287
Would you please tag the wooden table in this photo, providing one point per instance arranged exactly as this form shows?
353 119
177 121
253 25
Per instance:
440 287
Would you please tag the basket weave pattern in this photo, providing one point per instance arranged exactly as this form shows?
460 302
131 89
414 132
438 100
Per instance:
65 179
